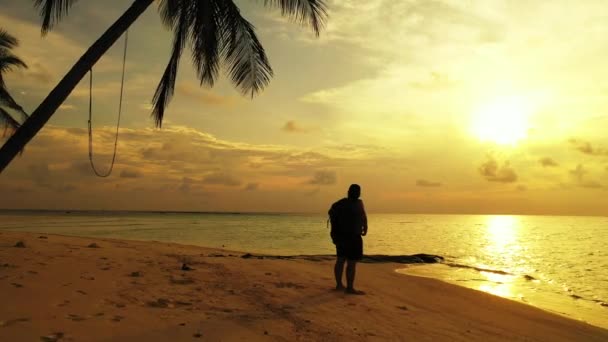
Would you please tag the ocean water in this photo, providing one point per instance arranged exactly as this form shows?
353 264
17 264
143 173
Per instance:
559 264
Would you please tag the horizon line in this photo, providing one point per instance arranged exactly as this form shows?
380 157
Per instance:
228 212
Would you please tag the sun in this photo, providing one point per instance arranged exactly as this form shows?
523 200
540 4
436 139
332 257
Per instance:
503 120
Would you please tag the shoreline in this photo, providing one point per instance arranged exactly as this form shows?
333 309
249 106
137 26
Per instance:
112 289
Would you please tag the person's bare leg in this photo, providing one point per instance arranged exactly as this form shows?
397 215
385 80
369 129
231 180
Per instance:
351 269
338 269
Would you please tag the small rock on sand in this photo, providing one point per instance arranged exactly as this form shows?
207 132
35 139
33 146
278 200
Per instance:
20 244
135 274
93 245
42 237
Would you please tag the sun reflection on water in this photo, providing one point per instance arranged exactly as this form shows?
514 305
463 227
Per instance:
502 232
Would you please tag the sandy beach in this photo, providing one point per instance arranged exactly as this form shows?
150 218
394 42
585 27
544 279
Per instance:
58 288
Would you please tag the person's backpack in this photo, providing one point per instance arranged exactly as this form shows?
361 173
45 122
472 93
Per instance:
338 220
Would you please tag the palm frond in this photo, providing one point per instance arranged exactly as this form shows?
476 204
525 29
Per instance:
248 65
166 87
52 11
205 16
312 12
8 61
7 41
8 123
7 100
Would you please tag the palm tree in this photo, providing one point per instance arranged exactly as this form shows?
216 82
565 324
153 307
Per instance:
8 61
214 30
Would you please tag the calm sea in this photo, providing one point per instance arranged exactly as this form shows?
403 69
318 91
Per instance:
559 264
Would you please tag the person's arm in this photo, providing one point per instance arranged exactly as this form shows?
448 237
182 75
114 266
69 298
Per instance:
364 219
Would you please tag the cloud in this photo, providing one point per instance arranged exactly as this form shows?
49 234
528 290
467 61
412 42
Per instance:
547 162
436 81
39 73
591 185
586 148
221 178
294 127
324 177
130 173
426 183
579 174
493 172
67 107
203 96
252 186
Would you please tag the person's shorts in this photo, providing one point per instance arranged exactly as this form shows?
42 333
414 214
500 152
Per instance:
350 248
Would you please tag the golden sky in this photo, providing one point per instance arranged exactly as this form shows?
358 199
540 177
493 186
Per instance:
438 106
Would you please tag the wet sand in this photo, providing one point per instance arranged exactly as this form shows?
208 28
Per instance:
58 288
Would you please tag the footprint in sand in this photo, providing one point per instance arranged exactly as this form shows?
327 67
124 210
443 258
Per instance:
13 321
183 281
117 318
289 285
75 318
64 303
160 303
54 337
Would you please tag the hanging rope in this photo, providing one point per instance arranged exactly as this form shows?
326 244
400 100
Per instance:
122 84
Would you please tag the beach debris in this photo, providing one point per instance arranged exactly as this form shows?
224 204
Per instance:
54 337
186 267
529 277
81 292
20 244
93 245
135 274
42 237
404 308
197 335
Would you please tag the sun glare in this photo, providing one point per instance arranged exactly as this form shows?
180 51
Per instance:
503 121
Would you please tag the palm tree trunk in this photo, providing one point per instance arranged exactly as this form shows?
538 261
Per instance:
56 97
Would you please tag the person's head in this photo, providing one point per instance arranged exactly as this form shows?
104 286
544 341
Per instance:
354 191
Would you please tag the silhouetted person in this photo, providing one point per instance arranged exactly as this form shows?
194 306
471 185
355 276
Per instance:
348 224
